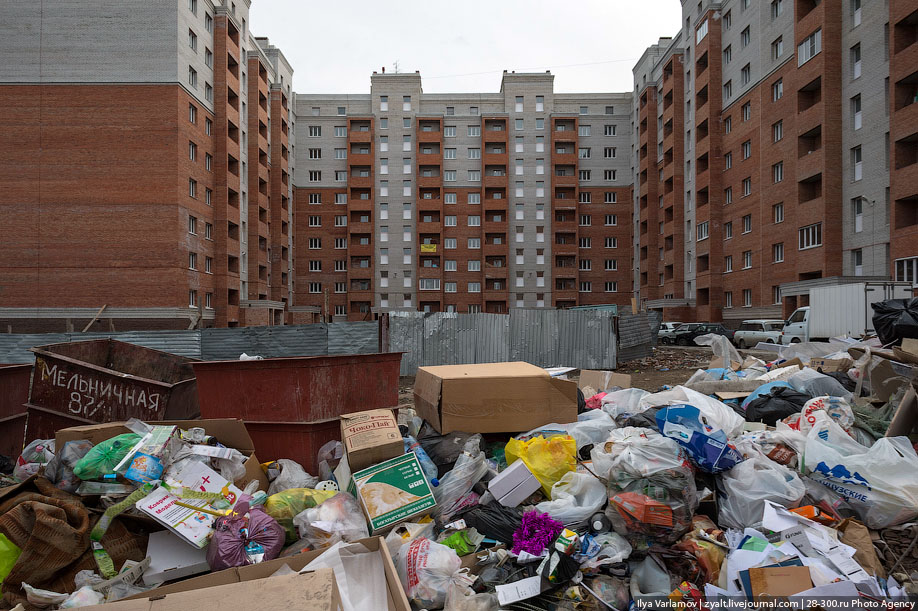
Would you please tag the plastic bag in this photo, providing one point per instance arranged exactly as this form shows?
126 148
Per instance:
721 347
35 455
60 470
495 521
292 475
443 450
328 457
706 446
9 554
574 498
779 402
817 384
248 535
339 518
655 508
765 389
718 415
638 452
782 445
700 542
102 458
878 482
625 401
84 597
749 484
547 459
406 533
592 427
613 548
460 597
895 319
284 506
835 407
426 570
455 486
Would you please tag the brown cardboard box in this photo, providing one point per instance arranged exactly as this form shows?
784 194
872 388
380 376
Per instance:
370 437
492 397
229 431
396 600
601 380
778 581
831 365
313 590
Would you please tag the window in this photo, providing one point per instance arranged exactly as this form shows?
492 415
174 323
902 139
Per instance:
474 287
608 174
608 152
777 252
584 130
340 243
341 264
728 264
315 243
192 151
429 284
406 123
474 176
315 198
315 176
193 41
747 111
810 236
608 130
777 171
208 92
728 230
747 259
474 221
406 143
192 187
702 231
315 266
856 111
584 153
474 131
474 243
340 198
857 165
809 48
449 175
192 77
473 198
777 7
585 175
728 299
406 102
747 298
315 131
746 75
777 48
745 37
728 161
777 90
540 123
747 149
778 213
341 220
907 270
208 231
473 265
728 54
727 20
857 205
728 125
340 131
316 153
449 131
208 126
777 131
856 61
747 186
192 113
611 242
315 221
728 90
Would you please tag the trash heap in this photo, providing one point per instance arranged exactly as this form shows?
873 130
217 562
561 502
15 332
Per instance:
503 487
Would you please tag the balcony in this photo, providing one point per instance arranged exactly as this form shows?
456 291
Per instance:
360 250
432 137
495 249
568 248
568 159
358 158
568 180
358 135
495 181
429 159
430 182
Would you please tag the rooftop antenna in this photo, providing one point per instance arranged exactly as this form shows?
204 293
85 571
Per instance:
395 66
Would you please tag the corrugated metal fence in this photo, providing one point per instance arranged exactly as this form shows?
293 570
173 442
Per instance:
575 338
219 344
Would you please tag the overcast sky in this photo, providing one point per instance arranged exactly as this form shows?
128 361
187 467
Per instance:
589 45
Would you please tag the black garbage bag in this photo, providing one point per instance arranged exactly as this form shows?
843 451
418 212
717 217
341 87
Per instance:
778 404
6 465
645 420
495 521
895 319
442 449
844 379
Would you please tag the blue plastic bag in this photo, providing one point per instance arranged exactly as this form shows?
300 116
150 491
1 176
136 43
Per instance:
706 446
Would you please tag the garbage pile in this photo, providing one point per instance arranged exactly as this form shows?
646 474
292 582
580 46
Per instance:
504 486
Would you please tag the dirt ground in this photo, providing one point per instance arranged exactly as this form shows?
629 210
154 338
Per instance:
669 366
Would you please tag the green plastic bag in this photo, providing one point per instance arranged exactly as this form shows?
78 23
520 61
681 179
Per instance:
9 554
547 459
102 459
285 505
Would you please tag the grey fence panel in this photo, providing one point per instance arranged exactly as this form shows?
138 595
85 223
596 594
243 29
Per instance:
451 338
636 336
406 334
353 337
574 338
490 336
14 347
181 343
300 340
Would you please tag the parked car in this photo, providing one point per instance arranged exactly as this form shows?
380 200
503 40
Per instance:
667 331
751 332
685 335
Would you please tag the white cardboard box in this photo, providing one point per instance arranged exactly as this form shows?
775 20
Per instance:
513 485
171 558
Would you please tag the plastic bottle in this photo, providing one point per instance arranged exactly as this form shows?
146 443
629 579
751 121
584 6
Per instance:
427 465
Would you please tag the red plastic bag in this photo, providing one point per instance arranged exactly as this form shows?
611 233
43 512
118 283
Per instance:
245 536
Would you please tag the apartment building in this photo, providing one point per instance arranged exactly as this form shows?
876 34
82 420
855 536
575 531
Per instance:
771 154
471 202
150 181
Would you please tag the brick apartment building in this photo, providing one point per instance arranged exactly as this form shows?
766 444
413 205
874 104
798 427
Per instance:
473 202
146 167
775 149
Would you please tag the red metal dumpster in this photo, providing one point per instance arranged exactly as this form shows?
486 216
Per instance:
106 380
290 406
14 392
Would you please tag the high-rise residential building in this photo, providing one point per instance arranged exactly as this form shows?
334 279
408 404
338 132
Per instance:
146 171
471 202
771 155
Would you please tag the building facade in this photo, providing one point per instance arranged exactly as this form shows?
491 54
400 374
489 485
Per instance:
150 182
461 202
778 155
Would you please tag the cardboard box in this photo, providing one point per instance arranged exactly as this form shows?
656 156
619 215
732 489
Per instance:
602 380
778 581
396 599
831 365
231 432
392 492
171 558
513 485
492 397
370 437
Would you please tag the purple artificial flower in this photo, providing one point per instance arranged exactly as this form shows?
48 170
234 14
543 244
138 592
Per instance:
536 531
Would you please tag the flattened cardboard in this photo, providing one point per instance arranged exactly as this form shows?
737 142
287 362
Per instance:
492 397
602 380
831 365
396 600
316 590
171 558
778 581
791 363
231 432
727 395
370 437
905 419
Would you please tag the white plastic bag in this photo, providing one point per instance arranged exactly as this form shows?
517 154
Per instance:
837 408
427 570
592 427
718 415
35 455
625 401
613 548
817 384
879 482
721 347
638 451
339 518
750 483
292 475
574 498
460 597
406 533
457 483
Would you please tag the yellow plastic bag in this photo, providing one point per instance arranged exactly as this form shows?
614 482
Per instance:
548 459
284 506
9 554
